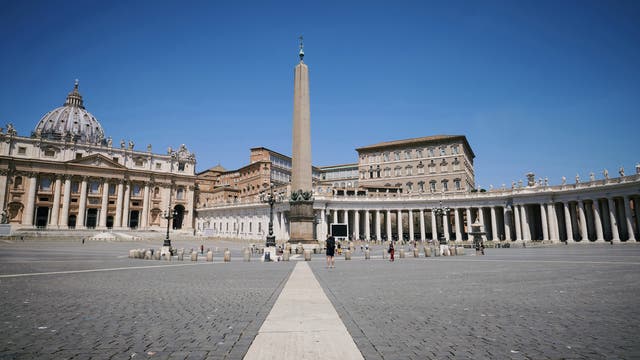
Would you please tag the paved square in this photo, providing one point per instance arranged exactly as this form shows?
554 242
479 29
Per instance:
564 302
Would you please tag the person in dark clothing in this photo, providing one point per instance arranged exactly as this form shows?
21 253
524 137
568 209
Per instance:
331 247
391 251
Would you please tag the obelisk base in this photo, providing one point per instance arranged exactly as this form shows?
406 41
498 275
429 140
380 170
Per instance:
301 223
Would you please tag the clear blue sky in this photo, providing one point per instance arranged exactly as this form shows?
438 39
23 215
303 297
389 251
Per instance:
551 87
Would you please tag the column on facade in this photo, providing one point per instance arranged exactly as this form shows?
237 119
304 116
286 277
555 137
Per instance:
481 217
144 219
27 217
189 213
516 217
356 224
423 235
456 214
411 234
378 227
628 218
545 222
399 224
615 236
127 201
598 221
507 224
117 221
82 206
526 228
367 226
345 217
389 225
55 211
494 225
567 222
323 225
105 204
584 232
66 202
445 225
554 232
434 226
335 216
469 220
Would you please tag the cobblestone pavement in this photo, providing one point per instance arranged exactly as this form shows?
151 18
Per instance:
203 311
547 303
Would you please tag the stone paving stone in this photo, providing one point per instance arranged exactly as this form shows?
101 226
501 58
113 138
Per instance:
564 302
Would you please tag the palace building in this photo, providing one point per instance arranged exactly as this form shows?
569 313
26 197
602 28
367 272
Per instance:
68 175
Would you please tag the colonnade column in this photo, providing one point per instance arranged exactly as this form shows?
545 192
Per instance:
345 217
543 217
469 220
399 225
117 222
367 226
125 210
389 225
615 237
378 232
629 219
144 222
554 232
507 224
55 211
567 222
494 225
82 207
516 217
423 236
27 217
434 226
335 216
598 221
356 224
526 230
456 213
104 206
584 232
445 225
481 217
66 201
411 234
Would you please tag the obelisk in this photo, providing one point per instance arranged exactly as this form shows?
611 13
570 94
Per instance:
301 215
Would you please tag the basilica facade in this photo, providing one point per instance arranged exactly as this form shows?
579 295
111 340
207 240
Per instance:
67 174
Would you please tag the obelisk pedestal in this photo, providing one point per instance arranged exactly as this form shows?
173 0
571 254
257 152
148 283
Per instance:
301 216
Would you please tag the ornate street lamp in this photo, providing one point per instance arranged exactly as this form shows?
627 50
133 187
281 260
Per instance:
271 199
168 214
441 211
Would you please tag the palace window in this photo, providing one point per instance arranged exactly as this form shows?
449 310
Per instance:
94 187
45 184
75 187
443 151
456 164
112 189
398 171
22 150
430 152
396 155
409 186
421 186
409 170
180 194
456 184
419 153
49 153
387 172
407 155
445 185
432 186
454 149
136 190
386 156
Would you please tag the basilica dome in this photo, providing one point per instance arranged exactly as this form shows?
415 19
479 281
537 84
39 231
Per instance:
70 122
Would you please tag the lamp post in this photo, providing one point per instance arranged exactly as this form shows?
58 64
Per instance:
440 211
168 215
270 198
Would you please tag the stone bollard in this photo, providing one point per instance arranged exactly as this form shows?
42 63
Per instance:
285 256
147 255
384 253
427 251
194 256
452 250
210 256
181 255
247 254
307 255
347 255
401 254
131 254
367 254
227 255
416 252
299 249
436 251
460 250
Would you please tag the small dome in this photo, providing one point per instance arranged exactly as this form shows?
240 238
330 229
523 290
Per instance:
71 122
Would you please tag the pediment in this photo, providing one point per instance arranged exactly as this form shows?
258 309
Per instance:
97 160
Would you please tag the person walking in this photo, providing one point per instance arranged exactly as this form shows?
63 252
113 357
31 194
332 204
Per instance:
331 247
391 251
201 249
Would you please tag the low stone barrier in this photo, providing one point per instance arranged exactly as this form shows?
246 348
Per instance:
401 254
210 256
427 251
194 256
347 255
285 256
307 255
367 254
416 252
246 255
227 255
460 250
436 251
181 255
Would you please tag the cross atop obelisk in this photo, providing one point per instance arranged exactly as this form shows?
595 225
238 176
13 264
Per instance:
301 213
